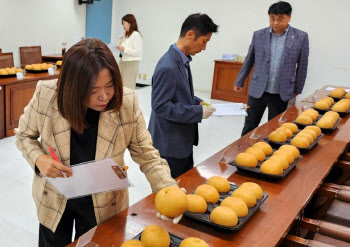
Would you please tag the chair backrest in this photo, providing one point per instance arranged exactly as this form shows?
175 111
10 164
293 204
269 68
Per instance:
30 55
6 60
0 50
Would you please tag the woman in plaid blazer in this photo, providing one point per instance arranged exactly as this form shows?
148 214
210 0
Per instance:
84 115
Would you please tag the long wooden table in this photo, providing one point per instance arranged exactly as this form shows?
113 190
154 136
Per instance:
14 96
269 225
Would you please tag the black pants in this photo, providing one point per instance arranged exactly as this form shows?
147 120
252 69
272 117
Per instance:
80 210
179 166
257 107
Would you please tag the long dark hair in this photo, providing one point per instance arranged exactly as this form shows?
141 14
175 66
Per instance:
130 18
80 68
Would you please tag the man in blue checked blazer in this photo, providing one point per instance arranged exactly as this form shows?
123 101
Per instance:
176 111
279 55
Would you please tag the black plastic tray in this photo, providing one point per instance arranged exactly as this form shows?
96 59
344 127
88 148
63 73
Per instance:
322 112
302 150
241 220
7 76
36 71
337 99
324 130
174 240
256 169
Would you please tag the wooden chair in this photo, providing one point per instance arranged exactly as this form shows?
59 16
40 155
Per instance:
30 55
6 60
327 234
0 50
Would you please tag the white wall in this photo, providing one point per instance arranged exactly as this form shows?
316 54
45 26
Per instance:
327 23
40 22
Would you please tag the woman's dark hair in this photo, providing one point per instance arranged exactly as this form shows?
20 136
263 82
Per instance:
80 69
130 18
201 24
280 8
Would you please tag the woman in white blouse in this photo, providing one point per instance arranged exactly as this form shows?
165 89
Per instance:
130 46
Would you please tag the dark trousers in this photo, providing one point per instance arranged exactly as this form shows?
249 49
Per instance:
80 210
179 166
257 107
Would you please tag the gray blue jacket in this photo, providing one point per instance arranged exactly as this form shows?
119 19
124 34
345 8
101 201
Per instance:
293 71
175 110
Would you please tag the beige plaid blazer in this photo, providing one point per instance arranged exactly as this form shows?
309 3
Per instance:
116 132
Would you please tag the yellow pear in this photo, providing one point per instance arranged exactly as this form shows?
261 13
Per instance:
171 202
246 195
322 105
300 142
337 92
340 107
237 204
292 126
286 153
257 152
347 96
28 67
304 119
3 72
264 147
282 159
245 159
277 136
253 187
271 167
220 183
325 123
224 216
310 132
286 131
133 243
307 136
208 192
155 236
291 149
314 128
329 99
193 242
196 204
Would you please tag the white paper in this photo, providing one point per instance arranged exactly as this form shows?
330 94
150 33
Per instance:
331 88
230 109
113 47
90 178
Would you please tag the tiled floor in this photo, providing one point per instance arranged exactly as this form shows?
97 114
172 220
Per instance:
19 224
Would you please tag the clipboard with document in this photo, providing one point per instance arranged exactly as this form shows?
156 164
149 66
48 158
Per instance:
92 177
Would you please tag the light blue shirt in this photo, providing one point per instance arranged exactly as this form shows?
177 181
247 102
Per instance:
276 55
185 59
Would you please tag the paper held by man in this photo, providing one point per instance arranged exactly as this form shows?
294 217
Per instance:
230 109
92 177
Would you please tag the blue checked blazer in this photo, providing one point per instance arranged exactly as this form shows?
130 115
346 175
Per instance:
293 71
175 110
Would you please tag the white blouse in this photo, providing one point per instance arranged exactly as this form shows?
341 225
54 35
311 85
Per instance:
132 47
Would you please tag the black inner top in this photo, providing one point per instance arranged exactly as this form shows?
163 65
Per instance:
83 146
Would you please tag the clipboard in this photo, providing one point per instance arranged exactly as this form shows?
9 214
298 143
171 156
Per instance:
92 177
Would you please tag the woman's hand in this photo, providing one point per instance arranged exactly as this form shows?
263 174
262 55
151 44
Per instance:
120 48
51 168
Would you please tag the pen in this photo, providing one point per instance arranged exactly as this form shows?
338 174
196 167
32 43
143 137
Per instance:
55 158
205 103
